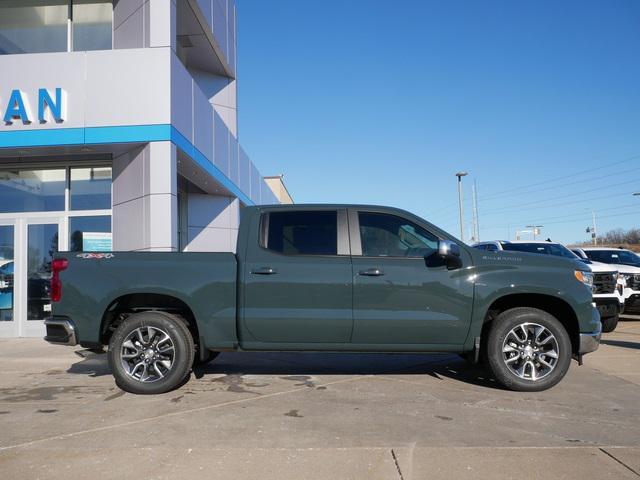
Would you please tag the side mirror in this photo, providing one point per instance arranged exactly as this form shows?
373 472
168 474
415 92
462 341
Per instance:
448 254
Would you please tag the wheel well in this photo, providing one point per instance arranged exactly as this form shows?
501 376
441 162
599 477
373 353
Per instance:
126 305
552 305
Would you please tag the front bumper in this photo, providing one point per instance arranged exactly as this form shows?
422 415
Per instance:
590 341
607 306
61 331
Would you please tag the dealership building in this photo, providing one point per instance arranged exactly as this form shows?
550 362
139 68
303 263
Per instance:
119 132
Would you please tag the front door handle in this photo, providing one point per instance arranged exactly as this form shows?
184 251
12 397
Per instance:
264 271
371 272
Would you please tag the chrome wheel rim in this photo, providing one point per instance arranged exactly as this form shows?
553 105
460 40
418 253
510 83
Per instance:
530 351
147 354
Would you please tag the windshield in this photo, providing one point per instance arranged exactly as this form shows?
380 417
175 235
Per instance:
622 257
544 248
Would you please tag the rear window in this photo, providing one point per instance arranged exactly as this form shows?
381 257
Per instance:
301 233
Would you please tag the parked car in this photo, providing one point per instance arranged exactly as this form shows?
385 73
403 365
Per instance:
628 264
326 278
607 287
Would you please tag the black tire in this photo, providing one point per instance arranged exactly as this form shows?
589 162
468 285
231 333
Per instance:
179 338
500 337
609 324
210 356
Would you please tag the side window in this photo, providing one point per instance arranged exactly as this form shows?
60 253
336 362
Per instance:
491 247
384 235
301 233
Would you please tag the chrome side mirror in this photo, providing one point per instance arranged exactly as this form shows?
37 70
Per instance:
448 254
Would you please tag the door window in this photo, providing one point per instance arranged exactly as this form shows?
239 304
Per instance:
384 235
301 233
42 245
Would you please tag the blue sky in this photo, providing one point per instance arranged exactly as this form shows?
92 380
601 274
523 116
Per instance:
381 102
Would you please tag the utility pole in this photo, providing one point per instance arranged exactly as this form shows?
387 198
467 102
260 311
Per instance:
594 234
476 226
461 207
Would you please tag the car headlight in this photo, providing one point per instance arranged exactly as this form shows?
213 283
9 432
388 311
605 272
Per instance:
584 277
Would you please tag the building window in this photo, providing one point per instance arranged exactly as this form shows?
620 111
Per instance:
41 26
32 190
90 188
90 234
92 24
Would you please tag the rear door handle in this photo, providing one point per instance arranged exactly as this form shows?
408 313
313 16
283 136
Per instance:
264 271
371 272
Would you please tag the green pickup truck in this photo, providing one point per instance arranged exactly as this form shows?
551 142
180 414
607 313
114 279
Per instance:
340 278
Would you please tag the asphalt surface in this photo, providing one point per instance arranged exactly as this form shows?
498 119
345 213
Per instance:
319 416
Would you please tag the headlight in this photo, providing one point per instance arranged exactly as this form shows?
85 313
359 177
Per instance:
584 277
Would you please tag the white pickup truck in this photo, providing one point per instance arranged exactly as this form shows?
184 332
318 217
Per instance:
628 264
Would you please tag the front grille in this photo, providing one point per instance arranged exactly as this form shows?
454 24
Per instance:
604 283
633 282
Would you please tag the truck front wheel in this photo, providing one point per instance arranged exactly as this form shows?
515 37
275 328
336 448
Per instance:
527 349
151 352
609 324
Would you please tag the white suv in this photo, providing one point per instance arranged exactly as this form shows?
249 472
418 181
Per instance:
607 287
628 264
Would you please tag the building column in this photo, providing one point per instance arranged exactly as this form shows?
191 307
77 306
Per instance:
212 223
145 206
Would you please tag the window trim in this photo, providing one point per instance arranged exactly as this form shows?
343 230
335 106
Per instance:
356 240
342 227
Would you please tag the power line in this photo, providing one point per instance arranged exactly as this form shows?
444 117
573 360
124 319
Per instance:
553 187
574 174
537 203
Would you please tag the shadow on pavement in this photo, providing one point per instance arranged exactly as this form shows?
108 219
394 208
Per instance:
438 366
621 343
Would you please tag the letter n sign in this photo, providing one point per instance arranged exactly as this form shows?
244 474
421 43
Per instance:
49 109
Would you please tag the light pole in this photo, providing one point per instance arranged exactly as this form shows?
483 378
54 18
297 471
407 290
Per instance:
536 229
460 175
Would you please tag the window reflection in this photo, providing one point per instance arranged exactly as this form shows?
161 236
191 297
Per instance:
90 234
32 190
33 26
92 25
90 188
6 273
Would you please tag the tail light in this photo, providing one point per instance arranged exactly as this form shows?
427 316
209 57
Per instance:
57 266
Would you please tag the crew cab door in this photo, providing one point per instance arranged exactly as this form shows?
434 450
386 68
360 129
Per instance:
397 299
297 280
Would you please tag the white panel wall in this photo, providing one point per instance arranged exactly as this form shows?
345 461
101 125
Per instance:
145 199
212 223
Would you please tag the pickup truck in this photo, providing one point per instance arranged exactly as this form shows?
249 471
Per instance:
326 278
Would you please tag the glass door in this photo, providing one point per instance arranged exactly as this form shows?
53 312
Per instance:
7 285
40 241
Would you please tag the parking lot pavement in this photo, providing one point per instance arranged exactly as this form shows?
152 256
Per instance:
316 416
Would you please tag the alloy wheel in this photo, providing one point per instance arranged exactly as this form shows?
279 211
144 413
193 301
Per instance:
530 351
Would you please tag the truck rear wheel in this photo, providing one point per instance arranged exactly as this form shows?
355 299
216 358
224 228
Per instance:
151 352
527 349
609 324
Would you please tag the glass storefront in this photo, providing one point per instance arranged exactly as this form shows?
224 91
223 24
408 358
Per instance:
43 211
6 272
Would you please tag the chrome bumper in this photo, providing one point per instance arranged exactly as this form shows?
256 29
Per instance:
60 331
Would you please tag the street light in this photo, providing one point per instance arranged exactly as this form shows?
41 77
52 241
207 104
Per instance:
460 175
636 194
536 229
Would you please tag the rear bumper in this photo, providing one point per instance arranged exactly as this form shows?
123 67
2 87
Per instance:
60 331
